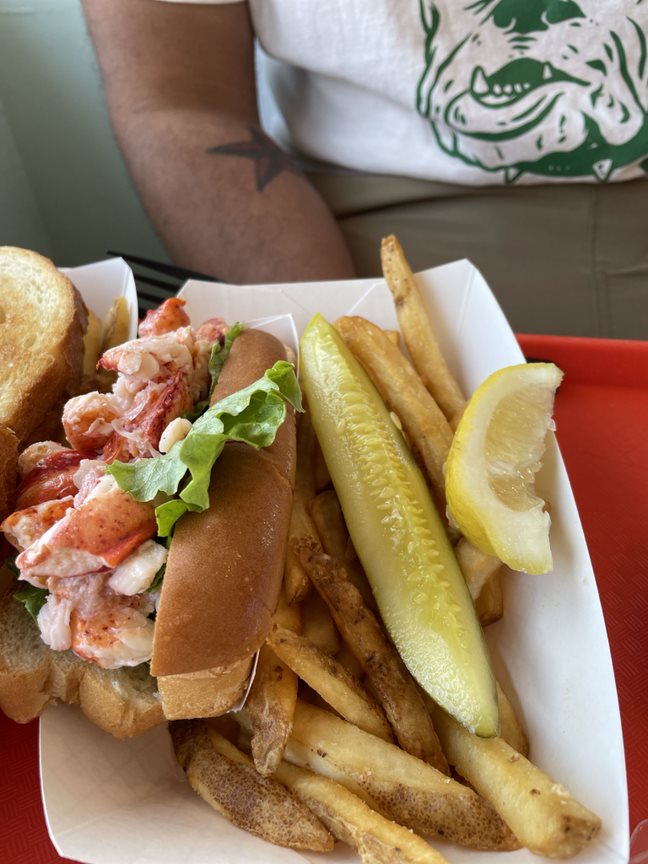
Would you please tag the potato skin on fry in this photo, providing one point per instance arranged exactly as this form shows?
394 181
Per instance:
378 840
271 701
331 680
326 512
270 705
395 783
260 805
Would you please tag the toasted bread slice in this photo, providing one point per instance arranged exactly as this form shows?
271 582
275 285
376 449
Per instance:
42 322
123 702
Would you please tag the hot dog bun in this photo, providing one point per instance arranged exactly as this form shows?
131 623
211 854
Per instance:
225 565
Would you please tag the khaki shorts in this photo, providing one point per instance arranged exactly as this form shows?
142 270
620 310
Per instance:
566 259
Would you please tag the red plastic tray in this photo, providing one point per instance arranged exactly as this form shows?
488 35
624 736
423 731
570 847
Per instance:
602 418
602 428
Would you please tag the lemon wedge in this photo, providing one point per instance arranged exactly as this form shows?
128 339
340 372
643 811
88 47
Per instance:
495 455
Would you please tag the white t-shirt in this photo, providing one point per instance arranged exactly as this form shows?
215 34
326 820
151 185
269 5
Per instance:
473 92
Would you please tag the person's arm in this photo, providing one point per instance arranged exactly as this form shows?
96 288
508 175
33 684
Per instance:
179 80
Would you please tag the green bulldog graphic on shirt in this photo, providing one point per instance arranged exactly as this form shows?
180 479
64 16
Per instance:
551 88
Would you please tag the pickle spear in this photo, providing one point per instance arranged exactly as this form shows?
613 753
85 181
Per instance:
397 533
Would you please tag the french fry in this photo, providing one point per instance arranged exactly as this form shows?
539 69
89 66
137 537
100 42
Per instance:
226 779
540 812
393 782
476 566
272 698
350 662
318 626
116 324
402 390
386 673
331 680
115 331
296 584
91 351
333 534
482 573
417 332
394 337
320 470
376 839
490 603
271 702
307 694
510 727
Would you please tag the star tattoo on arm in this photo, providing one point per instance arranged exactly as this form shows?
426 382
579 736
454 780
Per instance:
269 159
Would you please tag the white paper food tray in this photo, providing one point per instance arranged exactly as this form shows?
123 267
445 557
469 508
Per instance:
109 802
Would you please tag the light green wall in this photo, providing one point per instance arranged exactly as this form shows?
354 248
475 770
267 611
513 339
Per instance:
64 189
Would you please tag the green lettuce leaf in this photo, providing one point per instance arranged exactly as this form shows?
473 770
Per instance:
167 515
32 598
251 415
146 477
157 579
10 564
220 354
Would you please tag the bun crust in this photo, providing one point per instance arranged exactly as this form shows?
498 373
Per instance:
225 565
204 694
224 569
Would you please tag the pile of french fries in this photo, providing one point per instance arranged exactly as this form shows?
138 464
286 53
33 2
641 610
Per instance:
99 337
336 740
